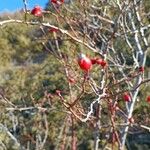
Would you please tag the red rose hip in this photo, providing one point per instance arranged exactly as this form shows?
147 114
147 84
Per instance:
59 2
53 30
84 62
54 1
94 61
141 69
101 62
126 97
37 11
148 99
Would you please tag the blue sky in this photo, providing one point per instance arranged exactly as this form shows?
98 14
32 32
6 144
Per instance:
13 5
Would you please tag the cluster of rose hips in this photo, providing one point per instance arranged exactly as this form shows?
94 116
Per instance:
86 63
37 10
